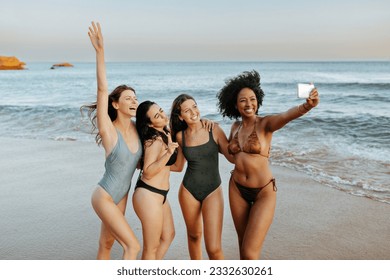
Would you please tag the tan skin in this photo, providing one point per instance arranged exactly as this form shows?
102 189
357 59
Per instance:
157 221
208 214
252 170
114 224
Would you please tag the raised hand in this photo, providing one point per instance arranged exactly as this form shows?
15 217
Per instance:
96 37
207 124
171 145
313 99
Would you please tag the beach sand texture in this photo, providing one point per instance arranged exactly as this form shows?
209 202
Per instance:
46 212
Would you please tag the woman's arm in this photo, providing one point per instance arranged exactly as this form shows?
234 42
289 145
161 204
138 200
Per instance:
104 123
181 160
154 159
223 143
276 122
233 129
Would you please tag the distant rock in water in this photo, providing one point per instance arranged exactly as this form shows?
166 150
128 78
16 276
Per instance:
11 63
65 64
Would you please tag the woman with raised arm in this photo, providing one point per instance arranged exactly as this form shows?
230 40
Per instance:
200 193
111 116
252 187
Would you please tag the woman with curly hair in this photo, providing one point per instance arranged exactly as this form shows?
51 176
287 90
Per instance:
252 187
160 156
200 193
111 116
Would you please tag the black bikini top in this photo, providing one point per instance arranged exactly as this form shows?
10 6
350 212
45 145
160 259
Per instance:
172 159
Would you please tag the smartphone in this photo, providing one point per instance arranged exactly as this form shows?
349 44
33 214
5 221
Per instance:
303 90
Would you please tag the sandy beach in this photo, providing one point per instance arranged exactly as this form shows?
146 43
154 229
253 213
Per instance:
46 212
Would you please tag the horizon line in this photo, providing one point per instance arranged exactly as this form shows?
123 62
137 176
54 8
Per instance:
216 61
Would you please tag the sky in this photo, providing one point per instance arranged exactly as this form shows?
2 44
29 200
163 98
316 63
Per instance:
198 30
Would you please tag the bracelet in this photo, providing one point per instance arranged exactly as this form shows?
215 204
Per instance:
305 107
300 111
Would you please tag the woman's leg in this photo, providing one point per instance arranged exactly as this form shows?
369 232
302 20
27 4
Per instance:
212 212
259 222
149 208
168 231
191 209
240 212
115 222
106 239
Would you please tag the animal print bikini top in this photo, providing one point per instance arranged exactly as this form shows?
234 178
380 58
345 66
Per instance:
251 146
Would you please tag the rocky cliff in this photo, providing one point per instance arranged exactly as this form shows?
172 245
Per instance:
11 63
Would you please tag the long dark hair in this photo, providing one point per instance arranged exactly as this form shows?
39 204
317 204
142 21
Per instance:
146 133
227 96
112 112
176 124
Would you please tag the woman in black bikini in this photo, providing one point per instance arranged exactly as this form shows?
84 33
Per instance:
252 188
150 201
200 194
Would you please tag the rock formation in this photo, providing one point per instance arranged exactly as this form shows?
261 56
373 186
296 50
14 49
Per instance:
65 64
11 63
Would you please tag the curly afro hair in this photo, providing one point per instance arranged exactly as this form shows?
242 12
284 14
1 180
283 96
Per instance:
227 96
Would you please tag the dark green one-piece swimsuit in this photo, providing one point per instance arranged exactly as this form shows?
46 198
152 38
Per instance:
202 174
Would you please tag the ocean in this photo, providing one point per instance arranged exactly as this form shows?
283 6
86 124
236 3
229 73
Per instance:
344 143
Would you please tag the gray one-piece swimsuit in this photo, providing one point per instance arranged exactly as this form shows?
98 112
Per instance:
120 167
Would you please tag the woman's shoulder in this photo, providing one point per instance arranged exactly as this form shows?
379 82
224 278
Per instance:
218 133
262 122
216 129
155 141
179 137
235 125
179 134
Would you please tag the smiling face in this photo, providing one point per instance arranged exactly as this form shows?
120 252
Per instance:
158 118
127 103
189 112
247 104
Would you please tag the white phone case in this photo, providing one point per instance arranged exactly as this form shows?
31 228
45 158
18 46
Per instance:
303 90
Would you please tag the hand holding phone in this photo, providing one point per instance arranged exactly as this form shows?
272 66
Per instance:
303 90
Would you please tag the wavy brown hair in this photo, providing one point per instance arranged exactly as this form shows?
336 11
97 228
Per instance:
112 112
175 123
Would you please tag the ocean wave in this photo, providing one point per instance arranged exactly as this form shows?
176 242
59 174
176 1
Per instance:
351 182
43 122
367 129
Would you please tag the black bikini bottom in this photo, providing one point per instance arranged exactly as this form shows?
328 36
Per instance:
250 194
142 184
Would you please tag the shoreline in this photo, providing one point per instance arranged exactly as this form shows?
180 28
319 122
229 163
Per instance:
47 187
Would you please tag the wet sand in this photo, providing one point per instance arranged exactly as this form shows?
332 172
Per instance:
47 214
